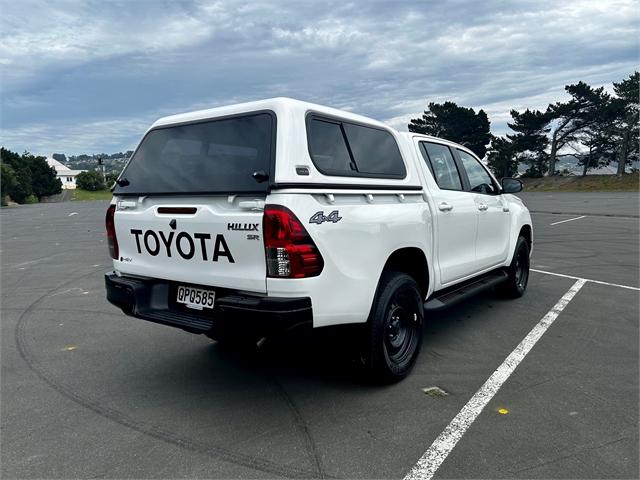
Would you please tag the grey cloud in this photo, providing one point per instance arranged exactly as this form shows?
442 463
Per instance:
81 71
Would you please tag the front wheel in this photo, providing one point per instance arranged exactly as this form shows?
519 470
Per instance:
394 328
518 271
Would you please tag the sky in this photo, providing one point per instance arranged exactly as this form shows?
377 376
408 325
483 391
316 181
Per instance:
91 76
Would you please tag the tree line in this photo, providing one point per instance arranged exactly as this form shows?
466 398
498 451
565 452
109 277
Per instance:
594 126
26 178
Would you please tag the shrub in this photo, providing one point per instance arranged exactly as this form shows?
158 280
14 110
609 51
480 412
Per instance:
91 181
110 179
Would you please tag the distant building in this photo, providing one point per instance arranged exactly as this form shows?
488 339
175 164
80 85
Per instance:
65 174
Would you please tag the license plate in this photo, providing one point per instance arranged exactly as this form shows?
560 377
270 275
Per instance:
196 298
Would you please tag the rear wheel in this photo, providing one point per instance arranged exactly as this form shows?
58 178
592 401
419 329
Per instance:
394 328
518 271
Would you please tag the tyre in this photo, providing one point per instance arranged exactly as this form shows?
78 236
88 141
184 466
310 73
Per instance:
518 271
394 328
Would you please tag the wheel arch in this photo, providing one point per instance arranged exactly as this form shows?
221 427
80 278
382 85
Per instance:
413 262
526 231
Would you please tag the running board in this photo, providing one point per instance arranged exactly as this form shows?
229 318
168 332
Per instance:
452 295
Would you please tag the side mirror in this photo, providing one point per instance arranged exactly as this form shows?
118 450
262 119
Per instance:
511 185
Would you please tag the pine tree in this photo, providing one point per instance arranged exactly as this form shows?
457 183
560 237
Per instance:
572 117
627 127
530 140
501 158
458 124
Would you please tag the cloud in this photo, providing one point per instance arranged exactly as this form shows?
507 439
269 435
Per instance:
91 76
107 136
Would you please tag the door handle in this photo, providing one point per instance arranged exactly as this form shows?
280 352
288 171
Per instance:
482 207
445 207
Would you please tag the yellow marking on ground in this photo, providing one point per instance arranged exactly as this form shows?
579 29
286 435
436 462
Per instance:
503 411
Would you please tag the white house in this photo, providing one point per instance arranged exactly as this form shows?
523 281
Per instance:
65 174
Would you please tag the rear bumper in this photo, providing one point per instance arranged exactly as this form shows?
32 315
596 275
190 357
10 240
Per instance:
152 300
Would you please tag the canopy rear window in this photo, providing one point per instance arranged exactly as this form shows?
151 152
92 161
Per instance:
218 156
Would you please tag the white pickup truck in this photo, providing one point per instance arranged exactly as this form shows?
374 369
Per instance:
239 221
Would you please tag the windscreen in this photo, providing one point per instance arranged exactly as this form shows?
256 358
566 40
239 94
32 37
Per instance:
218 156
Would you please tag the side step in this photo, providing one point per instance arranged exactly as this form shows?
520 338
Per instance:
452 295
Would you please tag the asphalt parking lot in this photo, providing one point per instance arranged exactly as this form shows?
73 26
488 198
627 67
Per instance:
88 392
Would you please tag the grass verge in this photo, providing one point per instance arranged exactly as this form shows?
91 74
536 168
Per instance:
591 183
84 195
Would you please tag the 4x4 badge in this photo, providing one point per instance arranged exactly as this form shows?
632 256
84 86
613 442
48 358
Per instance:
320 217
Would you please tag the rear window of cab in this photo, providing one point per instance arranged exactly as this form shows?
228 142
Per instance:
342 148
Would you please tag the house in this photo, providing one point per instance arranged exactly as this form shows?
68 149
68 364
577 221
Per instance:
65 174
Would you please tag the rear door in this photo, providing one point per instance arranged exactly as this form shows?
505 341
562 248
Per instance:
456 214
190 203
494 223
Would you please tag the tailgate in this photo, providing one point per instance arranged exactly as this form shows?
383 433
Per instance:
200 240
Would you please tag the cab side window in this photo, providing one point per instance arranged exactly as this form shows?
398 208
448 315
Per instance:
479 180
440 161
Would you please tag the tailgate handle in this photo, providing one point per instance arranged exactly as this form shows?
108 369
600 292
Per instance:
260 176
177 210
252 204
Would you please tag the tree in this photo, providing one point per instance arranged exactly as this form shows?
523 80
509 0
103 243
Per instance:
33 176
502 159
61 157
458 124
90 180
530 140
572 117
599 138
627 127
22 189
43 177
8 182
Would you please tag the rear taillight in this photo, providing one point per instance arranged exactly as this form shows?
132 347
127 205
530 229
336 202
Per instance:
111 232
290 251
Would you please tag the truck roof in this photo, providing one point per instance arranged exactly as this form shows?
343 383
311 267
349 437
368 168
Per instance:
279 105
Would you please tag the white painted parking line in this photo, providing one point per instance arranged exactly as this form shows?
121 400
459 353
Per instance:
447 440
568 220
600 282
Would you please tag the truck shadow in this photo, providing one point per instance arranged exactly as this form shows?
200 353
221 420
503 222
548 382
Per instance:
324 355
331 354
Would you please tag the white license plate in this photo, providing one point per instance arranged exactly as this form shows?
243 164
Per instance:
197 298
